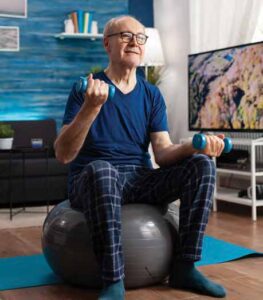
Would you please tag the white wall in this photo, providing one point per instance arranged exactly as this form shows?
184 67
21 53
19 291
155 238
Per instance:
172 19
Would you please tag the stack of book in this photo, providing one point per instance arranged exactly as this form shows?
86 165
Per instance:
82 21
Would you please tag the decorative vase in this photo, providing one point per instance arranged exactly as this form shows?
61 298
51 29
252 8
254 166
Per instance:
69 26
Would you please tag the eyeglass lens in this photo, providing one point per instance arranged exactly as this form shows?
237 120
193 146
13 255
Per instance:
128 36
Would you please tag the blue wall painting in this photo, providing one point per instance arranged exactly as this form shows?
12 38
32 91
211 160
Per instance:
35 82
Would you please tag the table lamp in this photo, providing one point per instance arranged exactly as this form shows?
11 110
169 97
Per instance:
153 50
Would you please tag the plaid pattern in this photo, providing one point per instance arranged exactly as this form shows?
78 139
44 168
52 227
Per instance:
101 188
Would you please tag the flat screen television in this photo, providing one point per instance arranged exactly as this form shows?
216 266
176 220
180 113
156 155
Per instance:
226 89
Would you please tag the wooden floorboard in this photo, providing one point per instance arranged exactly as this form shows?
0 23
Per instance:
243 278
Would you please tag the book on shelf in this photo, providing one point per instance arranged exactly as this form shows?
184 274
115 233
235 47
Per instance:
80 15
74 18
82 21
86 22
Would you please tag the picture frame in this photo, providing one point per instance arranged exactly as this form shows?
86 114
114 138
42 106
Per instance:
13 8
9 38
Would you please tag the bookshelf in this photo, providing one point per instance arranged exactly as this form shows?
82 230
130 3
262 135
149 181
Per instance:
91 36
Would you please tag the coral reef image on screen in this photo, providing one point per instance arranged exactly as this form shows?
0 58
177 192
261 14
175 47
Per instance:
226 89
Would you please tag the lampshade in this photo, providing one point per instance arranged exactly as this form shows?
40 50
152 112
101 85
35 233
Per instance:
153 49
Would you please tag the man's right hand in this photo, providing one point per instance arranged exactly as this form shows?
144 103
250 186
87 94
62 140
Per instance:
96 94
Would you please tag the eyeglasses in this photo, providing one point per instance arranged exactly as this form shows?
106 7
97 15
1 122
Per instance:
128 36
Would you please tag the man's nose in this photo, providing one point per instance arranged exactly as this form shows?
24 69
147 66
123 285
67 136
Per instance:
133 40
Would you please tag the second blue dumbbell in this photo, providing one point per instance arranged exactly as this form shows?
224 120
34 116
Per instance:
82 86
199 142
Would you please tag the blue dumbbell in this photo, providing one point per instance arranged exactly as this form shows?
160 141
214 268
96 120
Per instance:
199 142
82 86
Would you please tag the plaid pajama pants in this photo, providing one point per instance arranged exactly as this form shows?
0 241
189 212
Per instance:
100 190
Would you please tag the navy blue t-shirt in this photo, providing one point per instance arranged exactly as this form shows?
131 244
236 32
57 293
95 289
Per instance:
120 134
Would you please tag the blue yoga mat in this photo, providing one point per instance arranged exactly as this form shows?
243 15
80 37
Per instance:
216 251
29 271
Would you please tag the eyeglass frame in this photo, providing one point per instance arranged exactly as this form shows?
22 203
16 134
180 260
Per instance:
133 34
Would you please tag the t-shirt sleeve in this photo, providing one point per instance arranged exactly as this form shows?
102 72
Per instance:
158 119
73 105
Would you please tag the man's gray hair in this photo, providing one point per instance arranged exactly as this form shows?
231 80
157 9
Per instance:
108 29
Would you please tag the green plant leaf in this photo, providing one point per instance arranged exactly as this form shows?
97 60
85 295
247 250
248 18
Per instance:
95 69
6 131
154 75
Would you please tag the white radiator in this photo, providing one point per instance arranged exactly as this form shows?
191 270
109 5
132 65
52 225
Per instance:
250 135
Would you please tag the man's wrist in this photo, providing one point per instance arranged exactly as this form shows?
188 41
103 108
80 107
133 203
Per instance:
89 111
190 148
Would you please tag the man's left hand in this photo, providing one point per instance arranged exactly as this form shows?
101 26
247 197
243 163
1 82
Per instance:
214 145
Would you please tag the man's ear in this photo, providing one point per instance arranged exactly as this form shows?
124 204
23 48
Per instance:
106 44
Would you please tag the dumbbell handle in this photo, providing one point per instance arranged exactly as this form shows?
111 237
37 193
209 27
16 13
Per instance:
199 142
82 86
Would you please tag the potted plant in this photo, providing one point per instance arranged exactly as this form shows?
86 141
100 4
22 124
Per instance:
154 75
94 69
6 136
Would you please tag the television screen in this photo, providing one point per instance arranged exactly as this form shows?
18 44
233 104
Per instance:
226 89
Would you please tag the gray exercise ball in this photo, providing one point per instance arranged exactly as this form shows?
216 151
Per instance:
147 245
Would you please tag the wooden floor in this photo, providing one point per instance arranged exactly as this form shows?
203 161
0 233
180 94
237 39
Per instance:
243 279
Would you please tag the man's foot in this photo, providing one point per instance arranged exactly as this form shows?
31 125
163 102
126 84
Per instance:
113 291
184 275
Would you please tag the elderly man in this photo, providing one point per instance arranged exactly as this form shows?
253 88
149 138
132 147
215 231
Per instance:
106 143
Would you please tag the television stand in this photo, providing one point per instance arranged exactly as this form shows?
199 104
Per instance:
231 195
